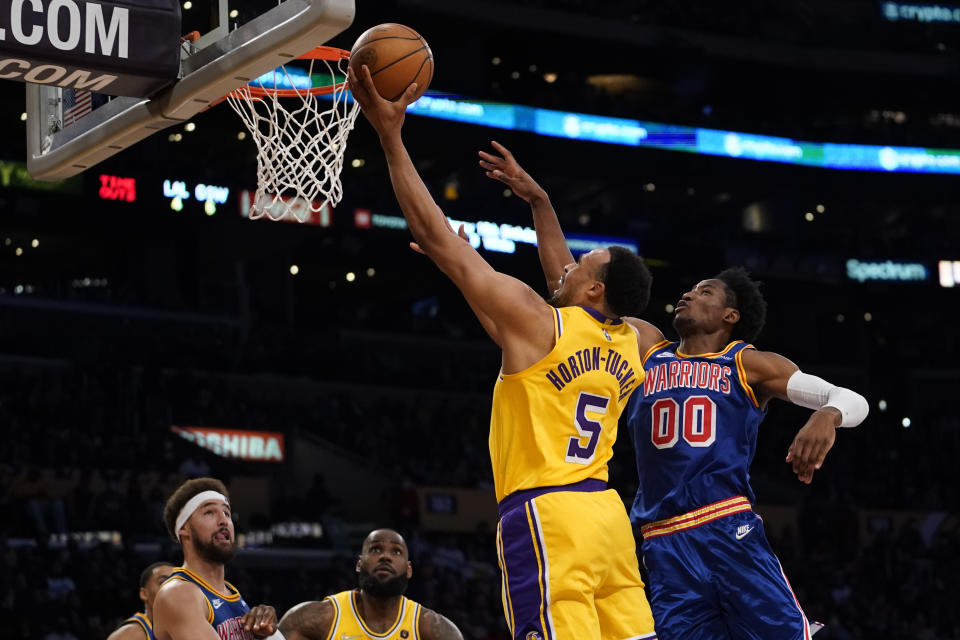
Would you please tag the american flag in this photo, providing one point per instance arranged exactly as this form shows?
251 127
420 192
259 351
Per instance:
76 104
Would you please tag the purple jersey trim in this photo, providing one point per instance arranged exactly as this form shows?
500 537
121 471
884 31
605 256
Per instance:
517 498
600 317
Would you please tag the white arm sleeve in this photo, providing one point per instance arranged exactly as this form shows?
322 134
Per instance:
816 393
276 636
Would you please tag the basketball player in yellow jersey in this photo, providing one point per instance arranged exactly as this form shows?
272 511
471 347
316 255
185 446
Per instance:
378 609
564 540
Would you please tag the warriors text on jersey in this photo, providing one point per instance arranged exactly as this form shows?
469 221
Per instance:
347 622
224 610
694 427
555 423
144 623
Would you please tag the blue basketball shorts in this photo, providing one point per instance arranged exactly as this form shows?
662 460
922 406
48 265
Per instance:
715 577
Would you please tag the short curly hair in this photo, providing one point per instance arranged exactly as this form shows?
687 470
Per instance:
626 281
183 494
743 294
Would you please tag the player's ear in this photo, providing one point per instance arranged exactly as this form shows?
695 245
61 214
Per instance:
732 316
358 564
409 569
143 594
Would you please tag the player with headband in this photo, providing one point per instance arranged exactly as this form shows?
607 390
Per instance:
196 602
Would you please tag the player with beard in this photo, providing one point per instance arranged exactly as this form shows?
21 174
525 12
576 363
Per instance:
196 602
567 371
141 624
378 609
712 572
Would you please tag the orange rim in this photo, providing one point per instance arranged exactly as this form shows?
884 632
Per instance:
331 54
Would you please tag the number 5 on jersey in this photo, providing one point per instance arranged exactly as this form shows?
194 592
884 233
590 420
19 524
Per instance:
587 428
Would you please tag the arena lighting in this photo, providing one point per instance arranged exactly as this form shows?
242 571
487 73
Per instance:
949 273
497 237
715 142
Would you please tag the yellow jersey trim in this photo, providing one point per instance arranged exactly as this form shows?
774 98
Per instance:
742 375
709 355
336 617
696 518
401 610
507 603
233 598
650 351
536 552
205 598
141 620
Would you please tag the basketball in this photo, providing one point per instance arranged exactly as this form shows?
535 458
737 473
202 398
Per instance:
396 56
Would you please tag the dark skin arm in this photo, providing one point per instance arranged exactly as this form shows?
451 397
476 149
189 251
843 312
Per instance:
434 626
768 373
261 620
551 245
308 621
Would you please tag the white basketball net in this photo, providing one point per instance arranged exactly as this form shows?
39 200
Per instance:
300 146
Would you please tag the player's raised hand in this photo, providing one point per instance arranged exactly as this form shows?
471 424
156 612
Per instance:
260 620
812 442
507 170
385 116
462 233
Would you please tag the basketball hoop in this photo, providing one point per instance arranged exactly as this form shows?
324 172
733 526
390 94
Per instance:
300 144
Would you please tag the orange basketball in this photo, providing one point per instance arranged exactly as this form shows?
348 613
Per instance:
396 56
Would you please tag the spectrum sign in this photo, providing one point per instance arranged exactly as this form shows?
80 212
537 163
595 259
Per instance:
886 271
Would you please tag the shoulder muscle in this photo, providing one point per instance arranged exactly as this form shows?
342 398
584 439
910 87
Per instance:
434 626
308 621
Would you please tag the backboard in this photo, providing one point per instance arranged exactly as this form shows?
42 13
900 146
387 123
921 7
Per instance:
219 61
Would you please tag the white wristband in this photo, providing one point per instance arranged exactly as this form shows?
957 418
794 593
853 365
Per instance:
276 636
816 393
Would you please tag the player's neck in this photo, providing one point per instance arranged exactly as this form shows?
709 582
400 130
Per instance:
148 611
703 343
378 613
211 572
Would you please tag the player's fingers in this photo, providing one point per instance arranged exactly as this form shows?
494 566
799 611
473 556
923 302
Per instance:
357 88
416 247
489 157
502 149
489 166
462 232
410 95
820 454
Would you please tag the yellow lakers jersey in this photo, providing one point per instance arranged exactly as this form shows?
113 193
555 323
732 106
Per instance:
555 422
347 622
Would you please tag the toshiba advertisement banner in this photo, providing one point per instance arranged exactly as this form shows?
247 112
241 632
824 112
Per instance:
259 446
120 48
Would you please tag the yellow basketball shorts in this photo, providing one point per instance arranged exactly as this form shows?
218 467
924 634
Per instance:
569 567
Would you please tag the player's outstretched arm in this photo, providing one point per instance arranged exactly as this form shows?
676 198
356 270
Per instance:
434 626
551 245
773 376
524 322
180 613
308 621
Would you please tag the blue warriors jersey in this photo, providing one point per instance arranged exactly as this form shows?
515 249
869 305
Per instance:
694 428
224 610
143 621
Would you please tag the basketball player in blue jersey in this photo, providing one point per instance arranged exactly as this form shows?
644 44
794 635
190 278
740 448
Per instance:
196 602
378 609
564 540
712 572
140 625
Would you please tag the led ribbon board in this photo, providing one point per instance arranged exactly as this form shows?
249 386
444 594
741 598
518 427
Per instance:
730 144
